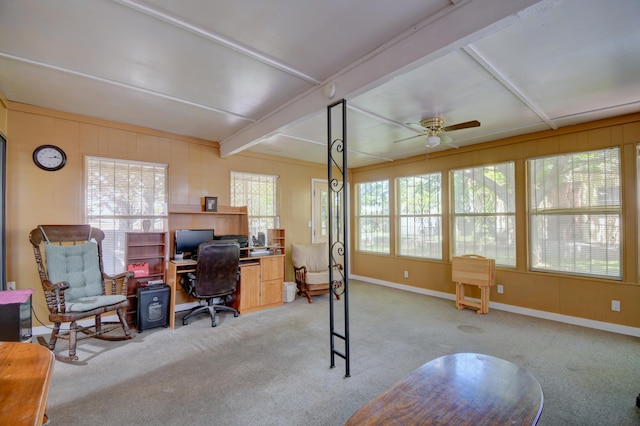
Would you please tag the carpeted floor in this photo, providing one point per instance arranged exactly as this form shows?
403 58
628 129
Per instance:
272 367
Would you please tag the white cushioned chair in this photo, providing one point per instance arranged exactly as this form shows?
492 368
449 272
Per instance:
311 268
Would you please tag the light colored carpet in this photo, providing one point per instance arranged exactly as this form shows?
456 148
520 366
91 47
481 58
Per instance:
272 367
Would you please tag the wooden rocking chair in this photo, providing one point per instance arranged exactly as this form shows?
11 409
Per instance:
73 281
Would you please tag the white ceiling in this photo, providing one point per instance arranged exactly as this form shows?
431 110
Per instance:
252 74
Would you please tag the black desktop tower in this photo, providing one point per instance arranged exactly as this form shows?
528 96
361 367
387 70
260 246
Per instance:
153 307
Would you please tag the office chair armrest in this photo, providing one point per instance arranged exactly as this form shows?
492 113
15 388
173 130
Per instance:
188 283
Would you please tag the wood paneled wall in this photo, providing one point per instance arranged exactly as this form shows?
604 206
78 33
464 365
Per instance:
195 170
568 295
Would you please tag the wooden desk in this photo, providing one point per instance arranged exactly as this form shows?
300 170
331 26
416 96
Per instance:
260 287
25 375
460 389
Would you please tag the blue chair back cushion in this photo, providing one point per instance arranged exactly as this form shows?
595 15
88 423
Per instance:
78 266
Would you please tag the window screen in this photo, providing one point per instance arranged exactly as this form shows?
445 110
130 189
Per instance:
119 196
574 213
373 216
484 212
420 216
259 193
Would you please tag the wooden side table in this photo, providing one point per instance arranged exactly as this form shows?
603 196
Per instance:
25 376
473 270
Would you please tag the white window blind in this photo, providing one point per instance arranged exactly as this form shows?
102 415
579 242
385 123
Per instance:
420 216
575 213
373 216
119 196
484 212
259 193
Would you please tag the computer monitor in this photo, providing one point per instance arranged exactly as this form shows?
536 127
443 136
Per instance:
188 240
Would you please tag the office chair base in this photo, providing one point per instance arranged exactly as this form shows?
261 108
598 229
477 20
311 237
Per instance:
212 310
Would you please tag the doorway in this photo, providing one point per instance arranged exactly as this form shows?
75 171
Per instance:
319 211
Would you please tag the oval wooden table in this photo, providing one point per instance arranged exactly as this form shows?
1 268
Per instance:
458 389
25 374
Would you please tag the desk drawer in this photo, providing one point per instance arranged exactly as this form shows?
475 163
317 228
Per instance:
272 268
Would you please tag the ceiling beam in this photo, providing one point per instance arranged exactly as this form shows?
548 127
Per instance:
456 26
509 85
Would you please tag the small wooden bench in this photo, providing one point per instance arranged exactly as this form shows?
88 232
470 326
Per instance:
473 270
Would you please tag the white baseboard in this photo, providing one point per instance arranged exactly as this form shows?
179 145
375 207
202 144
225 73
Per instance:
598 325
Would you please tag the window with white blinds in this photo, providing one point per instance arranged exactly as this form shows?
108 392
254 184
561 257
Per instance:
420 215
373 216
484 211
120 195
575 213
259 193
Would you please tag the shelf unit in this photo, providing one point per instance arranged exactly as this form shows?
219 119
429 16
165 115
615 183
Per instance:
276 240
144 248
227 220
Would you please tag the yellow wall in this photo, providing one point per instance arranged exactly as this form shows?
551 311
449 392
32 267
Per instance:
196 169
38 197
3 114
568 295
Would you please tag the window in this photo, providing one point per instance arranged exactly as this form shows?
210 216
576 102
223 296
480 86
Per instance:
259 193
120 195
373 216
574 213
420 216
484 212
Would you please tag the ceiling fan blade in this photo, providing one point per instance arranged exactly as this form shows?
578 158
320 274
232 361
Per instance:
459 126
446 139
410 137
415 126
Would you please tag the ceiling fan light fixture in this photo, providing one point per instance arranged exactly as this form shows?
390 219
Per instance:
432 141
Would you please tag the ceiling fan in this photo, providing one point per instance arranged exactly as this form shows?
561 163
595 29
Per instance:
434 129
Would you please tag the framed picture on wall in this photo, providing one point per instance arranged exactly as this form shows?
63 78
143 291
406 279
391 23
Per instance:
210 204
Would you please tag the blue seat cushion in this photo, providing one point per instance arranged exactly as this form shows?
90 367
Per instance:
88 303
78 265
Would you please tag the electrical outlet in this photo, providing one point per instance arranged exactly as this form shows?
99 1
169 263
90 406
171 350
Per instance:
500 289
11 285
406 274
615 305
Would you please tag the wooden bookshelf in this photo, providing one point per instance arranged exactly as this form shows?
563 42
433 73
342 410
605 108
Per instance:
148 248
227 220
276 240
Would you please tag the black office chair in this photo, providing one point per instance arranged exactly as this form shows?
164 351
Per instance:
216 278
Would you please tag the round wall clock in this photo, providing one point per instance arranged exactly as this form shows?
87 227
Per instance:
49 157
